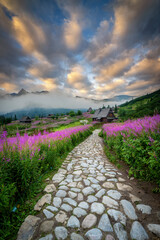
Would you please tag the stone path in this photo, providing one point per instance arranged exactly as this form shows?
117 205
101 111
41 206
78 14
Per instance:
89 199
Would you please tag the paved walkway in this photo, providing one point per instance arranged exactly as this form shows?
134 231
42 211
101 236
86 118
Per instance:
89 199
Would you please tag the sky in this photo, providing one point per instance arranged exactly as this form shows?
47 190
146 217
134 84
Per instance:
90 48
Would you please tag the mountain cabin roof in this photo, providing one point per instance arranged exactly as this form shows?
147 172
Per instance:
25 119
103 113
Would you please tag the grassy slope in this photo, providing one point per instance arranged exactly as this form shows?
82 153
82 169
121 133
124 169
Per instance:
139 107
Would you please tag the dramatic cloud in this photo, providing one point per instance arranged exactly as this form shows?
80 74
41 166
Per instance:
93 49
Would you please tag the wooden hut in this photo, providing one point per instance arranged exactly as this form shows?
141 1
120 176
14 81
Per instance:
25 119
104 115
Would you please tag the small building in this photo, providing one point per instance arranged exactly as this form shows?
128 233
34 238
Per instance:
50 115
89 110
25 119
104 115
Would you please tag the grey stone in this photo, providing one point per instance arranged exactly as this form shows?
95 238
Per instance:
109 237
58 177
79 172
134 198
50 188
137 232
94 234
51 208
61 217
45 199
83 205
112 180
79 212
129 209
154 228
109 202
75 190
70 201
117 216
120 232
91 199
72 184
124 187
63 188
75 236
72 194
61 233
73 222
46 226
144 208
114 194
108 185
47 237
28 228
121 179
61 193
57 202
86 182
101 178
48 214
97 187
93 180
104 224
97 208
88 190
100 193
80 197
66 207
89 221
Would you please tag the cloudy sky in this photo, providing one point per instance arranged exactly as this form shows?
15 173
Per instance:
92 48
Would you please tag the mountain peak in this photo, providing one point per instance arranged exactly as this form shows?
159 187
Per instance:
22 92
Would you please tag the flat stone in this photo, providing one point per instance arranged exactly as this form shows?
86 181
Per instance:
48 214
134 198
72 184
121 179
47 226
57 202
108 185
117 216
79 172
86 182
75 190
61 233
97 208
28 228
85 165
88 190
154 228
83 205
94 234
114 194
144 208
80 197
112 180
109 237
100 193
104 224
129 209
51 208
93 180
110 202
79 212
45 199
47 237
97 187
72 194
61 217
57 178
62 170
61 193
73 222
70 201
66 207
50 188
89 221
91 199
137 232
124 187
75 236
101 178
120 232
63 188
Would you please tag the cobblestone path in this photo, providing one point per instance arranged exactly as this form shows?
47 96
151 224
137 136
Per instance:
89 199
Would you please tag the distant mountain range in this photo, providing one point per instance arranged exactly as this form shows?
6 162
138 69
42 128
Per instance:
23 92
113 99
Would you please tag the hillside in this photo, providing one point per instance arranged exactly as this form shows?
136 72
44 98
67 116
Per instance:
142 106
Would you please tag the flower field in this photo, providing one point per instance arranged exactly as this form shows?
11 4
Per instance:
137 142
24 159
